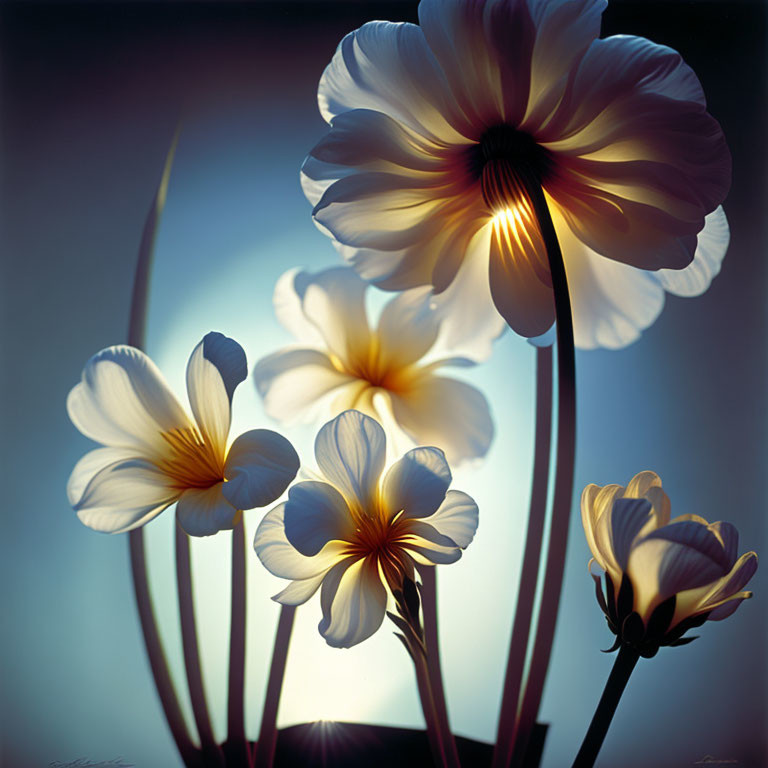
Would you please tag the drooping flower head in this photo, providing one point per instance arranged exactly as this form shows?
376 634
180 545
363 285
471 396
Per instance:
390 372
440 130
155 454
662 577
360 531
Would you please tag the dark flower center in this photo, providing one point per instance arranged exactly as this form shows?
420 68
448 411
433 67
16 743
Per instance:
507 162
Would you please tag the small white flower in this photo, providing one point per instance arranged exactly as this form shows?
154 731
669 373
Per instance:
663 577
391 373
359 534
154 454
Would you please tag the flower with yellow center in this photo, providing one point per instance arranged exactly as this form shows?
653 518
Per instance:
358 533
154 454
391 373
662 577
439 132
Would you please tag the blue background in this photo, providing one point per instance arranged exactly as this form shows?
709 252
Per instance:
91 97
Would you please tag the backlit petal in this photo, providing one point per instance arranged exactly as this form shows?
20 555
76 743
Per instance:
408 328
315 514
456 518
298 592
260 465
216 366
123 401
416 484
354 602
205 511
350 451
287 301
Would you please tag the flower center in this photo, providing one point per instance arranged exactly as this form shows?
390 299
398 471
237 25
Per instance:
382 539
375 367
191 462
507 162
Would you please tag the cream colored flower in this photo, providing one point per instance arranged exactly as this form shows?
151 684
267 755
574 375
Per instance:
391 373
154 454
662 576
358 533
439 131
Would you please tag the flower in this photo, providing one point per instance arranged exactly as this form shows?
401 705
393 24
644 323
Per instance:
359 534
440 131
662 577
390 373
154 454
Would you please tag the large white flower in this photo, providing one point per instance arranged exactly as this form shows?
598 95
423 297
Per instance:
391 373
439 131
154 454
359 534
662 576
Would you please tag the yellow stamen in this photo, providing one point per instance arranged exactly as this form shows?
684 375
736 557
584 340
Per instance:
192 462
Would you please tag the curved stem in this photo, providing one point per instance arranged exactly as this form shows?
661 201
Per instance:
434 671
236 747
518 645
563 490
136 338
157 662
211 751
265 747
625 662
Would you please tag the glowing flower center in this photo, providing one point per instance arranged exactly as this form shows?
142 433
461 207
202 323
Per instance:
507 162
378 369
192 462
383 540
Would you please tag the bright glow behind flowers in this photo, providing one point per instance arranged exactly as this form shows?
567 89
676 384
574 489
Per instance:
389 373
154 454
358 533
438 130
663 577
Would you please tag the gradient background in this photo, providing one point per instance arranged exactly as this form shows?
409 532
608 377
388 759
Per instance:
91 95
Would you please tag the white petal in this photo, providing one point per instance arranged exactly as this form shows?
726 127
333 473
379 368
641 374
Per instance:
711 246
298 592
124 495
408 327
726 608
280 558
294 383
389 68
429 547
628 518
611 302
90 465
641 483
260 465
124 401
351 451
216 366
416 484
743 570
315 514
205 511
447 413
354 602
470 322
456 518
287 301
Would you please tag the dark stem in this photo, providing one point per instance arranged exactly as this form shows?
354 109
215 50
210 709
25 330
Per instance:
136 338
563 490
157 661
521 628
265 747
617 682
428 708
434 671
212 753
236 747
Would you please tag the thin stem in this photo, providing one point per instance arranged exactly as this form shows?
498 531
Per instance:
157 661
434 671
521 628
236 747
265 747
211 751
136 338
426 696
563 490
625 662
